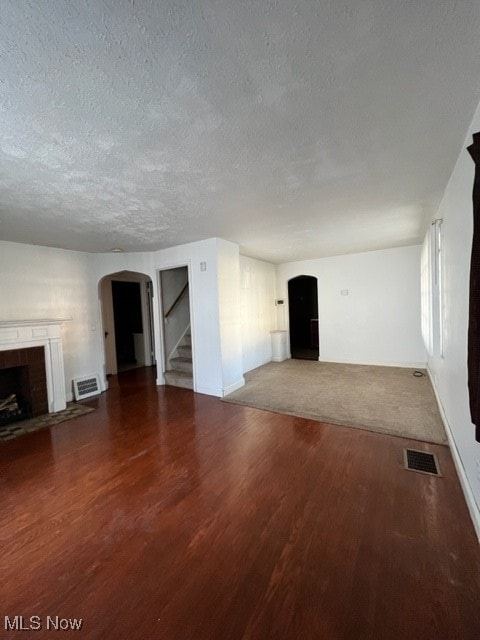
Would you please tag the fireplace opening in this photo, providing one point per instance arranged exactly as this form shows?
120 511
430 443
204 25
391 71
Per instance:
14 395
23 384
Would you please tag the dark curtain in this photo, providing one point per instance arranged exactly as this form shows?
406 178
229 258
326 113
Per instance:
474 311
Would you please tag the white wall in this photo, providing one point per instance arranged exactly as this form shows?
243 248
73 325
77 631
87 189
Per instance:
228 266
258 315
449 373
40 283
378 322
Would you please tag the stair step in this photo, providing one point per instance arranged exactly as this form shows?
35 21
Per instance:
179 379
181 364
185 351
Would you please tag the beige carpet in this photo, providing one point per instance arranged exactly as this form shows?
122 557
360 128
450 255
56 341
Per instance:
384 399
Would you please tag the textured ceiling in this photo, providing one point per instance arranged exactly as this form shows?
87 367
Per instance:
295 128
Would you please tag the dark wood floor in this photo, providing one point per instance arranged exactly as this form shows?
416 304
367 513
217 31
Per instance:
170 515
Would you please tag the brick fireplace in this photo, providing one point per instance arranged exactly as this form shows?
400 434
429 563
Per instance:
31 363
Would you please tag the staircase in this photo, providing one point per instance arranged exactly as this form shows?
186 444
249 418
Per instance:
180 371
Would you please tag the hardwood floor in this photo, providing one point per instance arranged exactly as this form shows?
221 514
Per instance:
170 515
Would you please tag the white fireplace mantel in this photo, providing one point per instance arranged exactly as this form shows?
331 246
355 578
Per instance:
34 322
23 334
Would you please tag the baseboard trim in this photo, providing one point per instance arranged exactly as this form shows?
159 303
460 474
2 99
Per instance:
464 483
210 391
260 364
404 365
233 387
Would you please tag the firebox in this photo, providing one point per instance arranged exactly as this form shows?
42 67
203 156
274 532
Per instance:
23 384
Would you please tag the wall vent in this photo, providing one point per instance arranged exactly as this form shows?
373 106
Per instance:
421 461
86 386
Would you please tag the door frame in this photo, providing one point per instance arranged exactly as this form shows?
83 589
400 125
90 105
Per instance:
166 267
301 275
108 317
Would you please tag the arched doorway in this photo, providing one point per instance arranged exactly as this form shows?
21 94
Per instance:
126 301
303 317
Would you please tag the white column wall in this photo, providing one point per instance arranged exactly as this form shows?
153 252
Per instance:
228 266
258 314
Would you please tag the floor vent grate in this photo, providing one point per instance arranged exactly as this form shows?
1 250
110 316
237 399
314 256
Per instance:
86 387
421 461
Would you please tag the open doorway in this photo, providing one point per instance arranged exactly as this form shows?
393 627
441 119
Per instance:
303 317
127 313
177 335
126 299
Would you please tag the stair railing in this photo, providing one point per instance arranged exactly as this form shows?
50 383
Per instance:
176 301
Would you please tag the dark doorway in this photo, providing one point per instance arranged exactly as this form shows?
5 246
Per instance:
127 311
303 315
